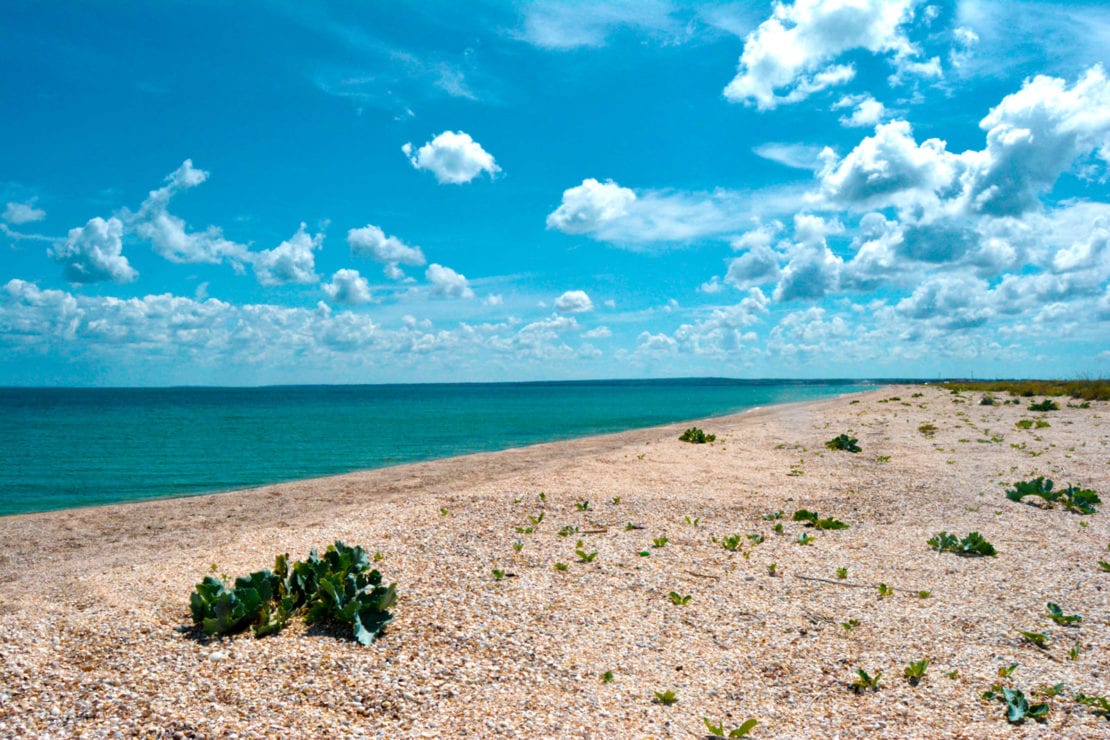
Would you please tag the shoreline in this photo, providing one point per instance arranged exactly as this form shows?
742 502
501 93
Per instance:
91 629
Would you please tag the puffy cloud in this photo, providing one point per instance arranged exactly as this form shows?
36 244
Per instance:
574 301
448 283
168 234
370 241
866 111
608 212
726 329
292 261
952 301
889 167
655 344
94 253
28 314
22 213
453 157
601 332
794 48
589 206
813 270
347 287
1034 135
759 265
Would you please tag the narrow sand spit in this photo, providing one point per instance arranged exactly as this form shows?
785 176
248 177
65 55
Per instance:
93 600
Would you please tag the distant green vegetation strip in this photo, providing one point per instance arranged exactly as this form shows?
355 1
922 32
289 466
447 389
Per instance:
1088 390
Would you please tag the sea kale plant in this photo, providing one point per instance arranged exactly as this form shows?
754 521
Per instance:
337 588
843 442
971 546
811 519
697 436
1074 498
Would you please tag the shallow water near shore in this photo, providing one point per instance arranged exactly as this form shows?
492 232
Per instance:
65 447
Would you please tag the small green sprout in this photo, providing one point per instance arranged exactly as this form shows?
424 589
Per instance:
924 594
883 458
1073 653
772 569
525 530
1057 615
615 500
773 516
885 590
718 730
666 698
755 538
607 677
443 512
842 573
659 542
568 530
1098 705
543 496
678 599
582 505
1040 639
915 671
1018 707
561 566
974 545
536 519
1105 566
731 542
865 681
805 539
693 522
498 574
811 519
1051 691
953 674
518 545
379 556
585 557
850 625
1007 670
777 529
644 554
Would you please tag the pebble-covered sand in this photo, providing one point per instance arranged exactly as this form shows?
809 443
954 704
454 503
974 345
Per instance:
94 617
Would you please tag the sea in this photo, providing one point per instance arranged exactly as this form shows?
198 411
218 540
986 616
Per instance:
63 448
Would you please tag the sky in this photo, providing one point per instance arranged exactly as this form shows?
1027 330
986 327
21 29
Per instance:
251 193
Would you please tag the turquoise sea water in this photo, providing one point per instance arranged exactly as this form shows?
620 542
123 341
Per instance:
64 447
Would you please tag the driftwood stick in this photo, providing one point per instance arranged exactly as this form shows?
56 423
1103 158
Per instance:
835 583
703 575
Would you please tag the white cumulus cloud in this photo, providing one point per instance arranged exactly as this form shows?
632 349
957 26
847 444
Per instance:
453 157
589 206
574 301
866 111
348 288
93 253
793 50
292 261
370 241
447 283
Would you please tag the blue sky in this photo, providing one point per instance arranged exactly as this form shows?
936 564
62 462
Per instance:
254 193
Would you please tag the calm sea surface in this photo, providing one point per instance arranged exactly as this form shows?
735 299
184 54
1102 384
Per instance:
62 448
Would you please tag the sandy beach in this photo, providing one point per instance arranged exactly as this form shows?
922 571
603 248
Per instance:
94 616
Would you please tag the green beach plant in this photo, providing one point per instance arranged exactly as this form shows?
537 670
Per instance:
678 599
585 557
1046 405
974 545
666 698
915 671
885 590
1056 614
696 436
841 573
843 442
805 539
731 542
561 566
1039 639
1018 708
811 519
718 730
865 681
659 542
582 505
1099 705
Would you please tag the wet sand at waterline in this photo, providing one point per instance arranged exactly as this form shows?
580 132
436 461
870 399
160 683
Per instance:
94 601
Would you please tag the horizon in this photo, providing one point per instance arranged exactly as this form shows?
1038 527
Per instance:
549 192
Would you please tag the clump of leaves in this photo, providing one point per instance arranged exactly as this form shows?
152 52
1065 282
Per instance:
615 500
987 401
777 529
1018 708
1104 565
850 625
885 590
443 512
804 538
812 519
731 542
659 542
518 545
1099 705
498 574
929 430
772 516
585 557
1040 639
1073 652
1074 498
924 594
696 436
865 681
678 599
915 671
692 522
1024 423
536 519
561 566
1056 614
525 530
607 677
756 538
1007 670
842 573
1046 405
718 730
582 505
568 530
666 698
974 545
772 569
883 458
843 442
340 587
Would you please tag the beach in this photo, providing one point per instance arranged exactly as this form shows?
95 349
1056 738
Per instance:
95 634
